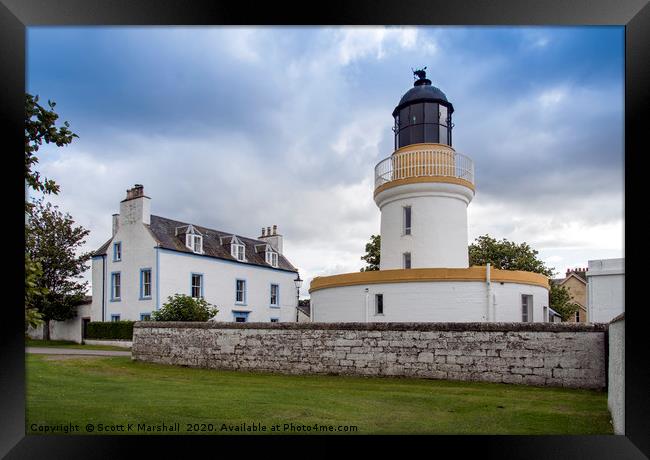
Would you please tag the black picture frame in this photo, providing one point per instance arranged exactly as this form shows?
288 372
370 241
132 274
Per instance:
16 15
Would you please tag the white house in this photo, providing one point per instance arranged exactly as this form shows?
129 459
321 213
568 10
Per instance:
605 289
422 191
149 258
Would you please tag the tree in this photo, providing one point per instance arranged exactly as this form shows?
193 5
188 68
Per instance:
40 127
560 300
372 254
53 240
506 255
33 272
181 307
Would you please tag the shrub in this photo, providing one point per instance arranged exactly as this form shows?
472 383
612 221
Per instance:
113 330
181 307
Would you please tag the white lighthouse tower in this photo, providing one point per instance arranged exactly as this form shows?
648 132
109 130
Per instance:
423 189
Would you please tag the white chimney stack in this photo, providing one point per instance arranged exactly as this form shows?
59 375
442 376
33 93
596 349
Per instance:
135 208
274 239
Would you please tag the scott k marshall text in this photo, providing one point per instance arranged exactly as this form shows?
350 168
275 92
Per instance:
191 427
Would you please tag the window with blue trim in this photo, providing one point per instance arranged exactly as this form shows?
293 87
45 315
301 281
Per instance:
197 285
145 316
115 318
240 291
116 286
275 294
117 252
275 320
240 316
145 283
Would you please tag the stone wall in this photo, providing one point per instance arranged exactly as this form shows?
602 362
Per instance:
550 354
616 372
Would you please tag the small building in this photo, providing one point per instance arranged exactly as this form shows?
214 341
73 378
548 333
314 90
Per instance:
73 329
149 258
606 289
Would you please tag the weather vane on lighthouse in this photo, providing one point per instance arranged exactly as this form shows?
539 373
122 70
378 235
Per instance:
420 73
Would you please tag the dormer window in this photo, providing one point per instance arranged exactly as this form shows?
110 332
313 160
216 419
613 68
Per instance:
238 251
195 243
193 238
272 258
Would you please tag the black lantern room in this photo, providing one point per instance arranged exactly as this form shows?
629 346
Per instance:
423 115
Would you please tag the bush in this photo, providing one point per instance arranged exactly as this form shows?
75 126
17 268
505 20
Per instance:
114 330
181 307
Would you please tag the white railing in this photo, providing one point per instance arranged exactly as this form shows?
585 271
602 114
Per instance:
424 163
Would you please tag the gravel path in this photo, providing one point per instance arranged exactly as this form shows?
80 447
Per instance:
75 351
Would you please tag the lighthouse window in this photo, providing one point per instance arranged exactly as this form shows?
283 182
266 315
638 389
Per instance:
417 134
430 133
526 308
407 260
407 220
379 304
443 135
417 114
404 117
443 115
430 112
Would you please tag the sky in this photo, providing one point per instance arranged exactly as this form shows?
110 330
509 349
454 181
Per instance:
239 128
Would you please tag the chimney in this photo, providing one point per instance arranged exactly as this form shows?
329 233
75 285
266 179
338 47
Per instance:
274 239
116 223
135 208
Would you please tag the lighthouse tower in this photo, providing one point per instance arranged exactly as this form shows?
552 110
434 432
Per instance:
423 189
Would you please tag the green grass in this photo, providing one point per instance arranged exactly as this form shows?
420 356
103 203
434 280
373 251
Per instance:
69 344
116 390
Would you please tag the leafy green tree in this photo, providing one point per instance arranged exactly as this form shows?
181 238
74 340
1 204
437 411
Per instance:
33 272
40 126
560 300
181 307
53 241
372 254
506 255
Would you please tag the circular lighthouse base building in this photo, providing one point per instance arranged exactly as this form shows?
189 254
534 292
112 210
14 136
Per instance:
430 295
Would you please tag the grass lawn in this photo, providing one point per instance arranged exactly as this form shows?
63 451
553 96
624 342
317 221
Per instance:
69 344
118 391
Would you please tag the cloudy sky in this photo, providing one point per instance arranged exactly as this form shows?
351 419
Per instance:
241 128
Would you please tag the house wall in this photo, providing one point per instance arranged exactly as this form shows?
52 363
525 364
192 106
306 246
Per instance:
434 241
98 289
219 278
564 355
137 253
606 289
437 301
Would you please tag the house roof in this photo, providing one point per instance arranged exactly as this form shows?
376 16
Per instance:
579 276
164 232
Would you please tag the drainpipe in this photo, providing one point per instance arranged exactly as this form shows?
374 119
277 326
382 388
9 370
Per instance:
103 287
366 309
490 316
